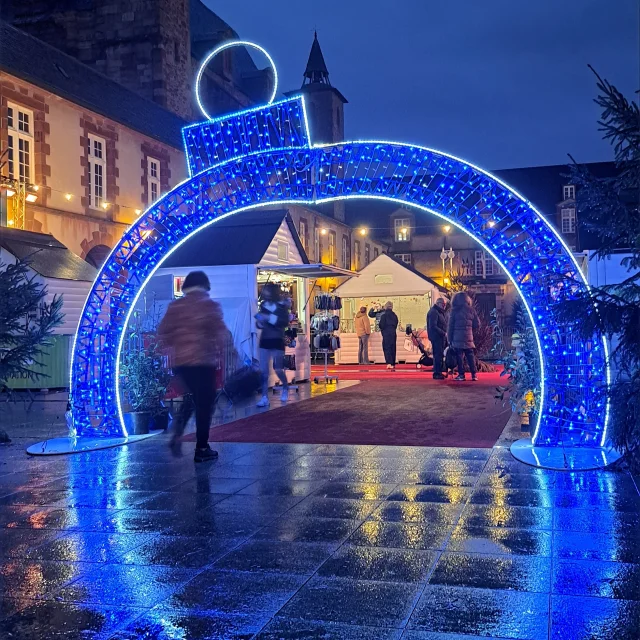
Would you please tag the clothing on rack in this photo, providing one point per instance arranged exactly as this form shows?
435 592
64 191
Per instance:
326 342
328 302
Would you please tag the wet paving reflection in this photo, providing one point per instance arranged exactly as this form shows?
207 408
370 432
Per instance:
306 541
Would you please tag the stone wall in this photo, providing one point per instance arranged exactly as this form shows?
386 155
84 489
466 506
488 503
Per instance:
143 44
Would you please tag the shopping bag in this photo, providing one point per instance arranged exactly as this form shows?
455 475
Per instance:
408 345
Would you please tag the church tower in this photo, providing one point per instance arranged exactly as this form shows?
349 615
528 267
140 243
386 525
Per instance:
325 108
325 104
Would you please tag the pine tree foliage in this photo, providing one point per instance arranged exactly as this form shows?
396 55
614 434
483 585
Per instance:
609 208
27 322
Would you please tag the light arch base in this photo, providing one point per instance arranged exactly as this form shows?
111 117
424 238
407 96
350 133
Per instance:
561 459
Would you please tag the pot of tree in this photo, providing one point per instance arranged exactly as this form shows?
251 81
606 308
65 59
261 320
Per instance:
161 419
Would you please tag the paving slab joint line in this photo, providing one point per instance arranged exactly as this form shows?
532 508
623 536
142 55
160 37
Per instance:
446 542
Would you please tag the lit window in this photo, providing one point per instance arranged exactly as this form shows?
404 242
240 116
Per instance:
402 229
403 257
568 219
367 254
153 179
97 169
20 154
569 192
283 251
332 248
345 252
303 234
484 264
356 255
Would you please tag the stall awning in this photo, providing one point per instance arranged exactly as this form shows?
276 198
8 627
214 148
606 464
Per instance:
312 271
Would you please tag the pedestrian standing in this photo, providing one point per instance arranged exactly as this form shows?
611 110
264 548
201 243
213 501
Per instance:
462 323
363 331
437 332
193 332
272 319
388 327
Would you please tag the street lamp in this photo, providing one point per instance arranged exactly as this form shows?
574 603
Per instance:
363 232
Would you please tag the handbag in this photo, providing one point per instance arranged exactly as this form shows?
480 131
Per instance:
290 362
243 383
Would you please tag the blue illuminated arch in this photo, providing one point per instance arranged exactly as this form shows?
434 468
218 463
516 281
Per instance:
264 156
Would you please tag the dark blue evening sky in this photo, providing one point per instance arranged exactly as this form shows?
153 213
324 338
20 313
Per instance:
502 83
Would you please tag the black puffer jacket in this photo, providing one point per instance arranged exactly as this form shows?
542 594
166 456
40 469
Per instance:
388 322
436 324
462 323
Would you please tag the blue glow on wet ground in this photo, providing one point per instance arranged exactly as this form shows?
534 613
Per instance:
306 541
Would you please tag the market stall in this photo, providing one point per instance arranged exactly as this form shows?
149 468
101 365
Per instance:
64 274
385 280
240 254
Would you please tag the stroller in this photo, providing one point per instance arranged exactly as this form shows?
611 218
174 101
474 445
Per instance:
425 359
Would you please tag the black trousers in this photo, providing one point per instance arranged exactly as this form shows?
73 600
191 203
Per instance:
471 361
199 381
438 356
389 348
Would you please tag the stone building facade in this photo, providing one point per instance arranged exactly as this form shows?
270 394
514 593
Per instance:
97 153
151 47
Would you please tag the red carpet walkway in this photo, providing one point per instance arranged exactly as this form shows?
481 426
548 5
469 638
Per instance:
388 411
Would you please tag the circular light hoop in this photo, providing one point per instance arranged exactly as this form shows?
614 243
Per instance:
220 49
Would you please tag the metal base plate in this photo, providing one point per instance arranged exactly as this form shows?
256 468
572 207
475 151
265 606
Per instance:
563 458
63 446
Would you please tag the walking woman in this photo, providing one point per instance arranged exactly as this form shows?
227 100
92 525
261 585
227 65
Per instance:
193 332
388 327
273 319
462 323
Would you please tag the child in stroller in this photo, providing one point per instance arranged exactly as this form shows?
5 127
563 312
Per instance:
425 359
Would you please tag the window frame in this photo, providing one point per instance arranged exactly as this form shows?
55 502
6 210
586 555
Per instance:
303 230
282 244
367 254
17 137
398 224
356 255
316 245
568 214
402 256
153 180
333 253
568 192
345 252
485 263
93 162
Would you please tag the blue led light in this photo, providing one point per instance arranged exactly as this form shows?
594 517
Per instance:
264 156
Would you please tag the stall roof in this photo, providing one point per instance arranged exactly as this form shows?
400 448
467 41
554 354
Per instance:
387 277
242 238
311 270
46 255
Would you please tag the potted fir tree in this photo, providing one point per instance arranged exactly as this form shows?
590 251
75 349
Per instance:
144 380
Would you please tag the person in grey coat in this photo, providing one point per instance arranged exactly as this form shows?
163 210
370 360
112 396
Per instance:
462 323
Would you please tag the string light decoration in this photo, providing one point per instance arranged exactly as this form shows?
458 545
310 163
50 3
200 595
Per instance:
264 156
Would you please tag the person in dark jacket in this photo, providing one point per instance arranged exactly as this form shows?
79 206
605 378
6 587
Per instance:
193 333
462 323
273 319
388 327
437 333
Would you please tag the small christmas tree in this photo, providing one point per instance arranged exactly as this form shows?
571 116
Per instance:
609 207
26 323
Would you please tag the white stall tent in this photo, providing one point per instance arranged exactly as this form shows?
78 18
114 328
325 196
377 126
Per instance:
385 280
237 254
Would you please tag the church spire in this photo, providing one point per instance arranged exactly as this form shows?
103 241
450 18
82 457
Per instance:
316 71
